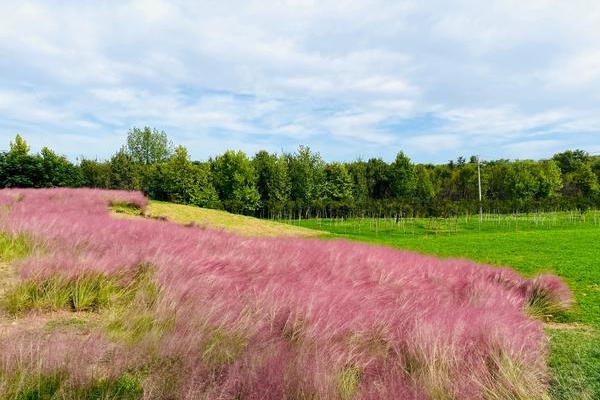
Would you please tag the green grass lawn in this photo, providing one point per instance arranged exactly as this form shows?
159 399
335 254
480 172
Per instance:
567 244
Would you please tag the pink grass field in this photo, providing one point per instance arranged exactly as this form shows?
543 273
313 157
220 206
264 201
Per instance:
281 318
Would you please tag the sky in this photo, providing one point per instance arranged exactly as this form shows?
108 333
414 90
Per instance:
436 79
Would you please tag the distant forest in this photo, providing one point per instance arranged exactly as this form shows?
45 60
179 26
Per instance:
302 185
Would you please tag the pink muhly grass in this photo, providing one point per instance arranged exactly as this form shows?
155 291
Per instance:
80 359
272 318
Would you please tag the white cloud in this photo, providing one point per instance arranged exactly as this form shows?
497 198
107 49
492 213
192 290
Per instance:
368 73
535 149
434 144
502 122
577 70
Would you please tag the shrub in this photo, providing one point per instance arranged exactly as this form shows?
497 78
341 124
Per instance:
547 297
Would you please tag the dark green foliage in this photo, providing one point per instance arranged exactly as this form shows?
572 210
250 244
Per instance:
55 386
272 182
95 174
20 169
234 178
378 179
124 173
402 178
424 190
181 181
522 182
302 185
40 387
570 160
125 387
306 172
338 183
360 187
58 171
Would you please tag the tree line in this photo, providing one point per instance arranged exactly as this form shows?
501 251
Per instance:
302 185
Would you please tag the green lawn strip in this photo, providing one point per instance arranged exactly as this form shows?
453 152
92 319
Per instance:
565 245
575 362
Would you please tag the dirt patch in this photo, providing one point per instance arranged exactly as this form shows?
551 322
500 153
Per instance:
51 322
40 321
573 326
8 276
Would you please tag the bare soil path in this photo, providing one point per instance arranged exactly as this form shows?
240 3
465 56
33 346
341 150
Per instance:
7 277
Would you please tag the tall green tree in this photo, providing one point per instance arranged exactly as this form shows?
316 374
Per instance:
124 173
235 182
338 183
57 170
20 169
522 182
570 160
273 183
95 174
550 179
181 181
464 182
424 190
378 179
19 147
360 186
402 177
148 146
441 176
306 171
582 183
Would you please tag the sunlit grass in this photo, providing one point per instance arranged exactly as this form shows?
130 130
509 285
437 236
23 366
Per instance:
13 247
217 219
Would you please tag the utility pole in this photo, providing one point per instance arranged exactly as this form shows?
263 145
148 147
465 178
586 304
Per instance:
479 184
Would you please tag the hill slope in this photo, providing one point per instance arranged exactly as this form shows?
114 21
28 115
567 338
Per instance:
218 219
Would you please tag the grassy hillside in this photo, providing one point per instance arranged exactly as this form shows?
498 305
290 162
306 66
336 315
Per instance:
217 219
109 308
565 244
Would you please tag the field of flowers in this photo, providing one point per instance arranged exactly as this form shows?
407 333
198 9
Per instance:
163 311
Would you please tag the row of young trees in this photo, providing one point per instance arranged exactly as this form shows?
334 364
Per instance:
301 184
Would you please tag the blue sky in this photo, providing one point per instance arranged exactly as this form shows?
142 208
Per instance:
436 79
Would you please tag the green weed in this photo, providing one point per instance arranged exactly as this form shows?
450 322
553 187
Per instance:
67 323
90 292
55 386
126 387
126 208
347 382
134 317
14 247
222 348
36 387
